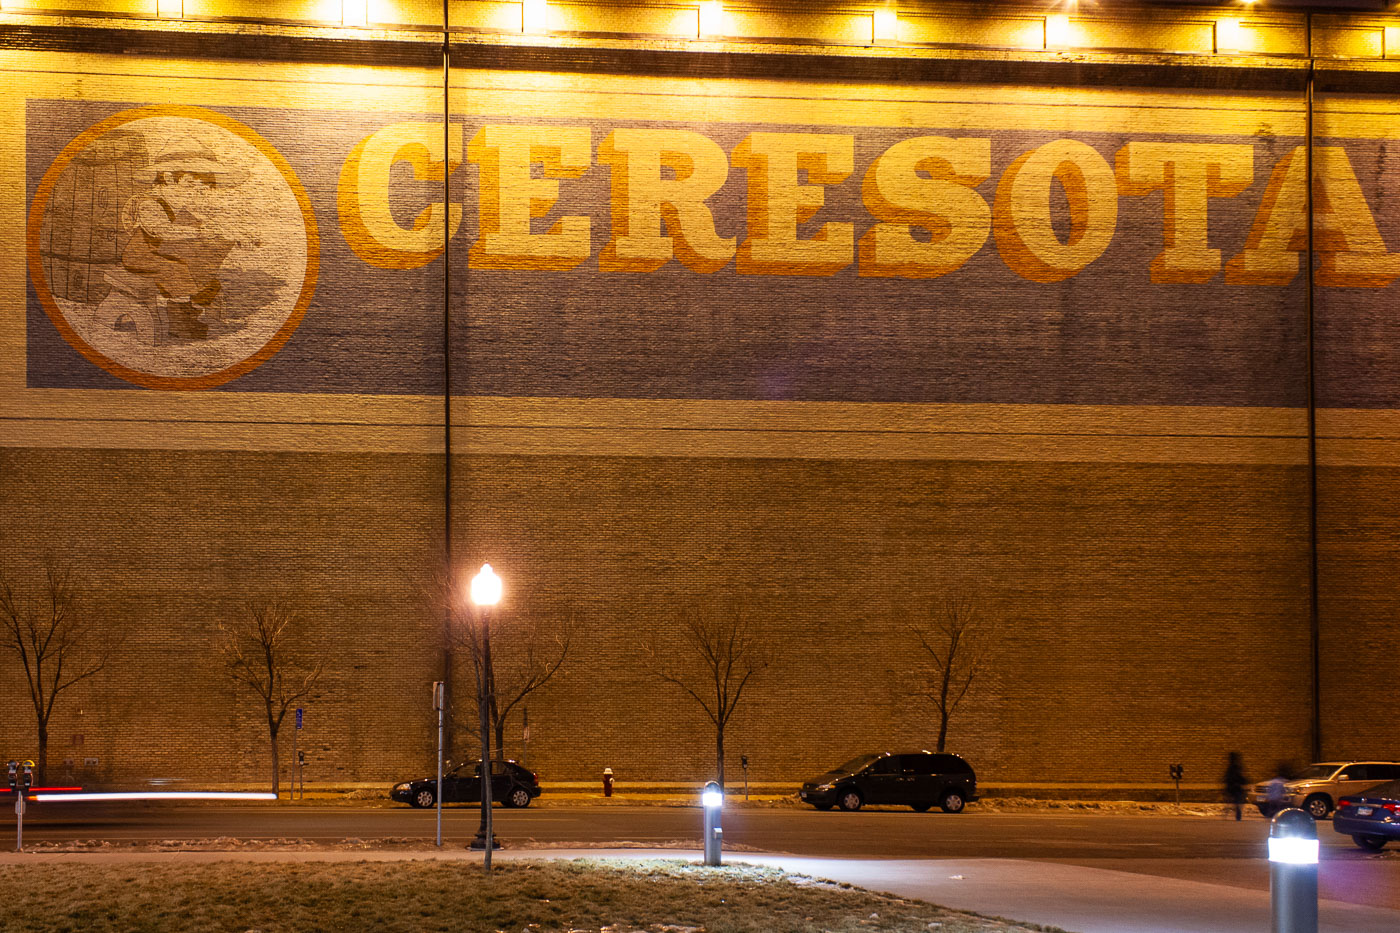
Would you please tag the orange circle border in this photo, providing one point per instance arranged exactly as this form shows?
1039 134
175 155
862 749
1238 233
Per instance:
148 380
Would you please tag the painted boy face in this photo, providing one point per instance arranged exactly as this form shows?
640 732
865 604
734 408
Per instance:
188 192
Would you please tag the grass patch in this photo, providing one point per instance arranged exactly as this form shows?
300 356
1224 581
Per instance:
653 896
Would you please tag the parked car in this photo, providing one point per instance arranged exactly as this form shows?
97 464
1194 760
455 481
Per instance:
1371 818
914 779
511 785
1319 786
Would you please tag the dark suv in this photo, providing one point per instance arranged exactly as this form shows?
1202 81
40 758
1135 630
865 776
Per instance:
914 779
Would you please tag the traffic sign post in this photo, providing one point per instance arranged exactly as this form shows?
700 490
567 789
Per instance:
297 758
439 702
1175 771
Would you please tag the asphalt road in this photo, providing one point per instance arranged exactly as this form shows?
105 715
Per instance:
1215 851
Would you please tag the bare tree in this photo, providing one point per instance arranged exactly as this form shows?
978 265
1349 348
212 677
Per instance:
524 656
54 642
526 651
957 643
256 648
719 655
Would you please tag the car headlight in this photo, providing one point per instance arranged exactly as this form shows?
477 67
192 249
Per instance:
401 788
826 786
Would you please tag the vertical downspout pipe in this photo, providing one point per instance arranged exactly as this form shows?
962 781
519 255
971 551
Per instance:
1314 625
447 567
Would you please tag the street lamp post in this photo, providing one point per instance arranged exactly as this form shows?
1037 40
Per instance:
485 593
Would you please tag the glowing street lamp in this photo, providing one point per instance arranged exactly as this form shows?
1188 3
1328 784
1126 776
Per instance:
486 587
485 593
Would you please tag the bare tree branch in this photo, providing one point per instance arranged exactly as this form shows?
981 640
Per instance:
729 653
53 640
257 649
957 643
529 648
526 654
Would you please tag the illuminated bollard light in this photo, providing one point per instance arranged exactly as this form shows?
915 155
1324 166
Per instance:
712 799
1293 872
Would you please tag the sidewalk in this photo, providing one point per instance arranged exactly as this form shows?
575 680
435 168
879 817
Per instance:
1080 899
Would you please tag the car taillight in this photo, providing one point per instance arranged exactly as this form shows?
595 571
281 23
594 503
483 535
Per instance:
1345 802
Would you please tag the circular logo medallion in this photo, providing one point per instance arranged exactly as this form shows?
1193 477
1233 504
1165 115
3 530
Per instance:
173 247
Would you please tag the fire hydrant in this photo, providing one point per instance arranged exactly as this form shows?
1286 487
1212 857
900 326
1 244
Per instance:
607 782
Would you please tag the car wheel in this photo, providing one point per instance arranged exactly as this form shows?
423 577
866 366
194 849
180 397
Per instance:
518 798
952 802
921 807
850 800
1318 806
1367 841
424 799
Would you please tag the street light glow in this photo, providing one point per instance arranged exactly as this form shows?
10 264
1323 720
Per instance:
486 587
1291 850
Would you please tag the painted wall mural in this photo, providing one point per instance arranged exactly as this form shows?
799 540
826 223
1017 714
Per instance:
172 247
301 251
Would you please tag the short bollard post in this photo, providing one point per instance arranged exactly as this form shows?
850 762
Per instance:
712 799
1293 872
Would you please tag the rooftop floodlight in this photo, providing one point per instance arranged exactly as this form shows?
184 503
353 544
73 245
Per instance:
486 587
1229 35
354 12
886 24
711 18
1056 31
1293 853
536 16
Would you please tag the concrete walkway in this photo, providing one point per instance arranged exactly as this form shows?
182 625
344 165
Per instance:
1080 899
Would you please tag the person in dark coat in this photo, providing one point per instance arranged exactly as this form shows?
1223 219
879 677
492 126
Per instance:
1234 783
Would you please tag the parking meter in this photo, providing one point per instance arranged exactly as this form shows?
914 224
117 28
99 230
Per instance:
21 779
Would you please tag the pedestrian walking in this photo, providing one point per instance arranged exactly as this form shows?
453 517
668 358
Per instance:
1234 783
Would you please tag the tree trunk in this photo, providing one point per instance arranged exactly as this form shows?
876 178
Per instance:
41 770
719 754
500 739
276 769
942 730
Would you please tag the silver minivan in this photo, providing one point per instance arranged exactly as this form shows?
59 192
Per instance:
1319 786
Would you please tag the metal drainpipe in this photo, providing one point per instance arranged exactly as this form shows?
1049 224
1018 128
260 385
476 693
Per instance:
446 353
1314 623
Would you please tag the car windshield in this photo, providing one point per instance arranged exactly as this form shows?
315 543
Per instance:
1316 772
855 764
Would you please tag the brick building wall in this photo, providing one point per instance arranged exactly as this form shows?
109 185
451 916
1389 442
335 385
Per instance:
1109 450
